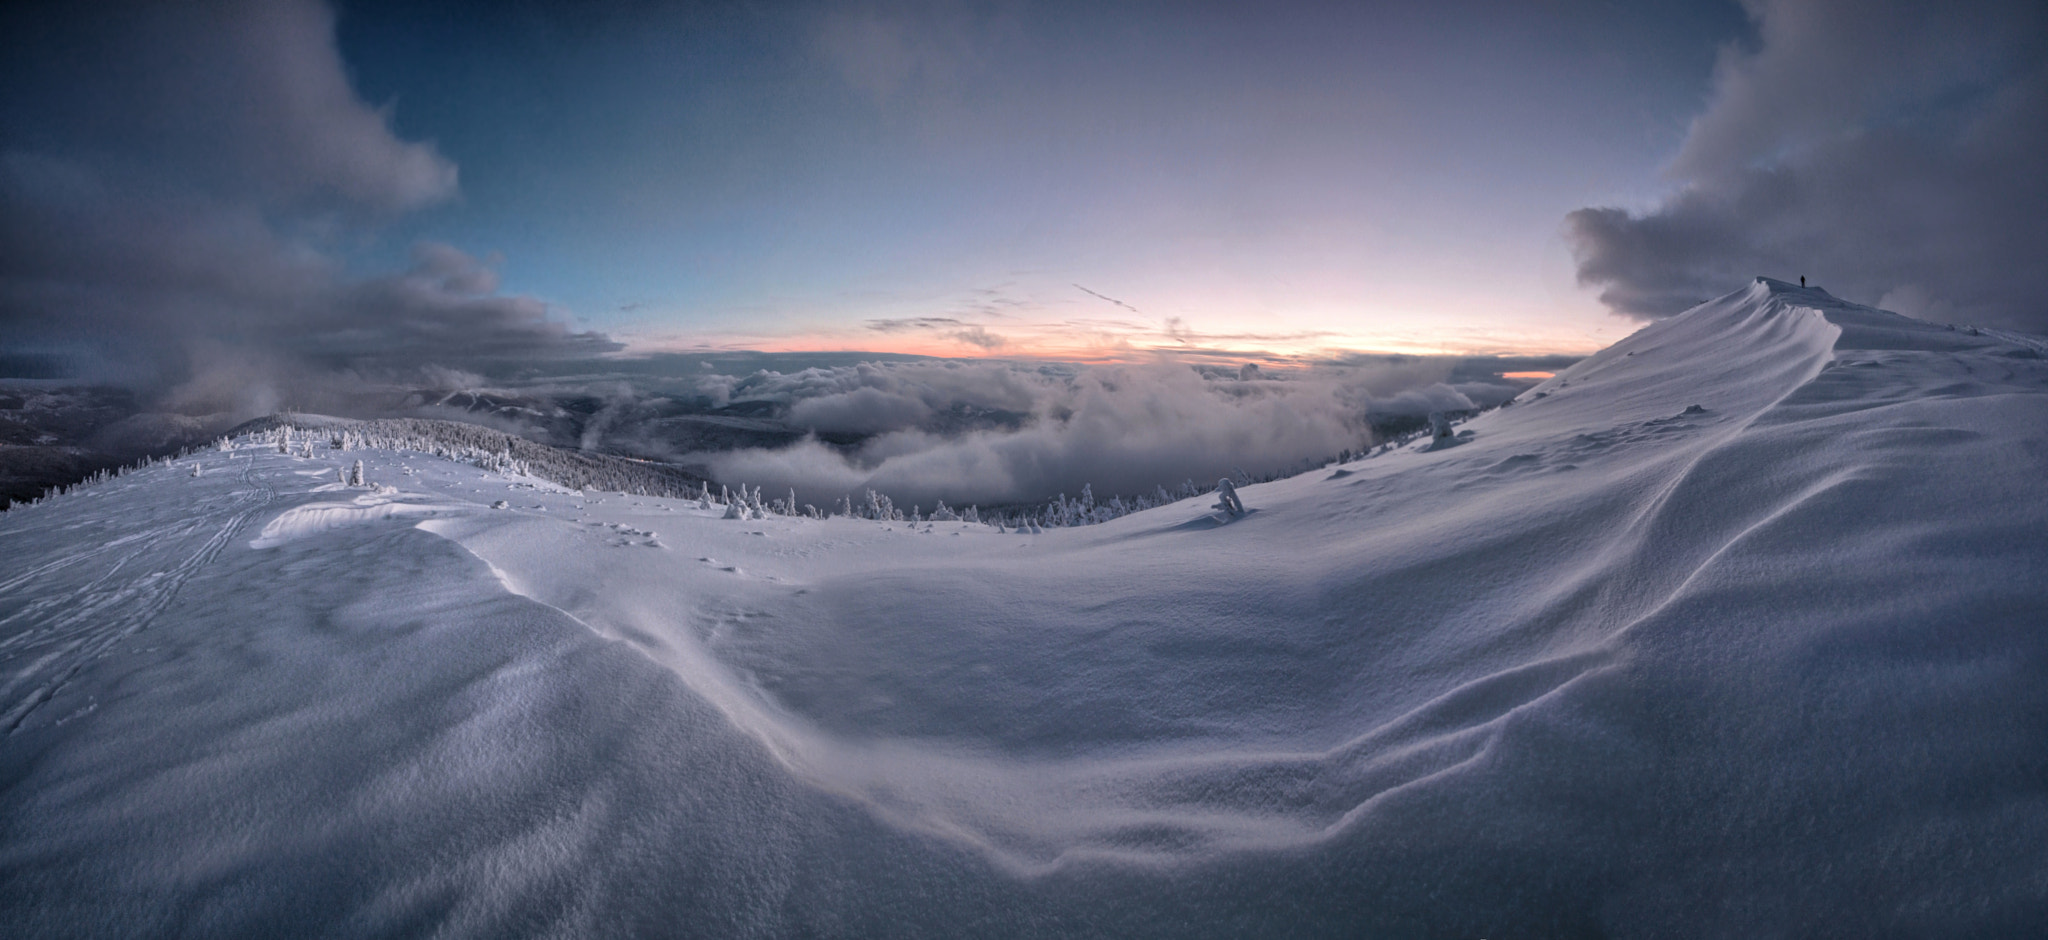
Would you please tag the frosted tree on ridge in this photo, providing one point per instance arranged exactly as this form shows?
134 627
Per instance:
1226 497
1439 426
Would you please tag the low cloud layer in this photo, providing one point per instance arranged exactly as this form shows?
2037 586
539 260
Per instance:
984 432
993 433
180 185
1888 151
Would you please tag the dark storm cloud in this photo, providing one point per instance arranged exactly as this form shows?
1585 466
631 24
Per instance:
444 309
177 185
226 95
1889 151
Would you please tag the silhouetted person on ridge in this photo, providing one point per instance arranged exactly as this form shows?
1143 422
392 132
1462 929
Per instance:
1802 280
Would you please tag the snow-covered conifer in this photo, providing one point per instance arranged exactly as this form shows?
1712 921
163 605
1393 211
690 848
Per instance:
1226 497
1439 426
355 474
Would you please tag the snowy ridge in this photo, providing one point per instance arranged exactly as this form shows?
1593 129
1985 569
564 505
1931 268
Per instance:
1730 628
72 621
485 448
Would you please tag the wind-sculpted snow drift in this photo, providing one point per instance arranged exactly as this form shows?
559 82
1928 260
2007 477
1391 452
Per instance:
1734 628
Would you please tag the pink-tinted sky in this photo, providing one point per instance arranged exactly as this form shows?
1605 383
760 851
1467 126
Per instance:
382 186
1065 180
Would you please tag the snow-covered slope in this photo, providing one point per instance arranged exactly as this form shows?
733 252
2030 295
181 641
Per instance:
1738 627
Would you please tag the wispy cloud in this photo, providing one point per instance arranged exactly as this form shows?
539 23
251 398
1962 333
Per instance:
971 334
907 324
1109 299
977 336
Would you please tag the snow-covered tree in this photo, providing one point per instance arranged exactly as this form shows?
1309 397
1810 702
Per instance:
355 474
1226 497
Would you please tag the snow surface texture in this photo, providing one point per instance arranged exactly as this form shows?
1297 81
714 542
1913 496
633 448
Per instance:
1736 628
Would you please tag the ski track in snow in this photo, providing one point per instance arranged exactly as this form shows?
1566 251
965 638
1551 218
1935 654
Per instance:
64 629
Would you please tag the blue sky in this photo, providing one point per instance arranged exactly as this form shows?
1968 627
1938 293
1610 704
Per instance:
1274 176
367 191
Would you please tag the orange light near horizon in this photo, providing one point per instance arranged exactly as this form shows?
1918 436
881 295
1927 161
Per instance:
1083 341
1087 347
1537 376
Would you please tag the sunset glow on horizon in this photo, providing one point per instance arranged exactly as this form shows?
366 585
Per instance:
1092 327
1072 184
1091 347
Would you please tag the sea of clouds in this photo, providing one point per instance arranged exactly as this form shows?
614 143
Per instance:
1001 432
